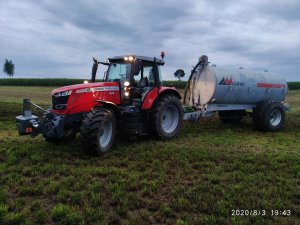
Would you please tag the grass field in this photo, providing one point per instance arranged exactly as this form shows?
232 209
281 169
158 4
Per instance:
198 178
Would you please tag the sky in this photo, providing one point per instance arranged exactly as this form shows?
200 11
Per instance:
56 38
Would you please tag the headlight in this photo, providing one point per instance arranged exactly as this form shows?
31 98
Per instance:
126 91
62 94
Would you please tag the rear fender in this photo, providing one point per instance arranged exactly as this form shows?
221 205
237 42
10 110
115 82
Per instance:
156 93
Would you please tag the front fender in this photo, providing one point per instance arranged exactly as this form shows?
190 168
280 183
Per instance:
109 105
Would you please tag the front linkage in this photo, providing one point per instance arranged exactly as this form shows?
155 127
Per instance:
53 127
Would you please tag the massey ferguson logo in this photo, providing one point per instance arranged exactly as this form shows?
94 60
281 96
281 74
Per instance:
104 88
230 81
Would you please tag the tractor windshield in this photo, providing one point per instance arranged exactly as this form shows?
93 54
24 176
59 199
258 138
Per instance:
118 71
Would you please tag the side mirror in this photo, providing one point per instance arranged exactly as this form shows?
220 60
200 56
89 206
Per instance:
136 66
94 70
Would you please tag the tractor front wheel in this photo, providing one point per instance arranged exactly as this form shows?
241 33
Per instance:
166 117
98 131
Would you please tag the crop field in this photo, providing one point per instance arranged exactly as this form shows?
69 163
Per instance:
59 82
207 175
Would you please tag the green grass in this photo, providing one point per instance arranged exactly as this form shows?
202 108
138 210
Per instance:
197 178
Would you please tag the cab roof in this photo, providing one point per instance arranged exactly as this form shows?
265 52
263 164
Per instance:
143 58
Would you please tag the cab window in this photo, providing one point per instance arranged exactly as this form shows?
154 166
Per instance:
148 72
117 71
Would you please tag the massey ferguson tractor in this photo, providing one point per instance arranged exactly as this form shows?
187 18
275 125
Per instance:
132 101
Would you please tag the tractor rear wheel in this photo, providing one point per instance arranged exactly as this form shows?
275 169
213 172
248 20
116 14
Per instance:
98 131
166 117
231 116
269 116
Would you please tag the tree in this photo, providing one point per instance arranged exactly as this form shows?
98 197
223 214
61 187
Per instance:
9 68
179 73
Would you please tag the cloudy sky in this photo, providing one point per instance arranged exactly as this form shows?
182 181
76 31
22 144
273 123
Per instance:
58 38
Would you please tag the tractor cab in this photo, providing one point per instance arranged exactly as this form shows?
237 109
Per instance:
136 76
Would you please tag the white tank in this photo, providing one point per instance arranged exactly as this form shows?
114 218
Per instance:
223 86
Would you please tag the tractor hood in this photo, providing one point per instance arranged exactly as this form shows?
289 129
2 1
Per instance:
81 98
83 86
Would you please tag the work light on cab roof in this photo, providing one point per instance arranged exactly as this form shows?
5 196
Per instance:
128 58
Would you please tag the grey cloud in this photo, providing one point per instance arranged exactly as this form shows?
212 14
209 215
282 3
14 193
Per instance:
60 37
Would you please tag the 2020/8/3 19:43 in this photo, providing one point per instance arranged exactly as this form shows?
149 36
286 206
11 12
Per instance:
260 212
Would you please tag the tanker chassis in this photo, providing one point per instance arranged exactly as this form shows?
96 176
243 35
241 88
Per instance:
132 101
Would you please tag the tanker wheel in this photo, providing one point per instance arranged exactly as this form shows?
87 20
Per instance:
98 131
231 116
166 117
269 117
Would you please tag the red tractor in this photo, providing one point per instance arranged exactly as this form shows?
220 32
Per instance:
131 101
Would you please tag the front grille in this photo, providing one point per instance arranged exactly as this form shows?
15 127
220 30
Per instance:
59 102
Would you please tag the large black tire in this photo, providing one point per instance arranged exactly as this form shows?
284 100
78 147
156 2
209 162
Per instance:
69 134
269 116
71 126
231 116
166 117
98 131
50 135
